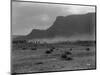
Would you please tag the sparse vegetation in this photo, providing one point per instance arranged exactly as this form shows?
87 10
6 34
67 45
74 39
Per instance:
35 56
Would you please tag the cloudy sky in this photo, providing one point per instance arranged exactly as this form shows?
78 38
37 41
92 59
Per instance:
28 15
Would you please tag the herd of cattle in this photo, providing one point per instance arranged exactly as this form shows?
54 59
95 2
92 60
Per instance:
66 55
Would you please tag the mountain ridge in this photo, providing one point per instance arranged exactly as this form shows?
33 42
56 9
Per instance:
66 26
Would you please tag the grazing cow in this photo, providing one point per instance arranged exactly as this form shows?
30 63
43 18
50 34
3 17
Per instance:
52 49
68 58
48 52
38 63
87 49
63 56
68 53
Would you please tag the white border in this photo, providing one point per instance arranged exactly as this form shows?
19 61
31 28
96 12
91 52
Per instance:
5 37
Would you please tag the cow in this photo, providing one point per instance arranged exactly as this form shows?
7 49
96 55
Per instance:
87 49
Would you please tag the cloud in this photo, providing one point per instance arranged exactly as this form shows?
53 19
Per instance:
27 15
75 9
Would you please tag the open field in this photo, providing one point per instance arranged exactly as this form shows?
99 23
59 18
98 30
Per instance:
52 37
79 57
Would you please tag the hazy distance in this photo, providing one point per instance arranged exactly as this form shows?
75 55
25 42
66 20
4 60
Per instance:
28 15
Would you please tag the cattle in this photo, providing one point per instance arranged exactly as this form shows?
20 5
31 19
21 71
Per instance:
63 56
69 58
68 53
38 63
66 56
48 52
52 49
87 49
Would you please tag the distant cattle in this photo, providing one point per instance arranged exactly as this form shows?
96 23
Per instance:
38 63
87 49
65 57
69 58
48 52
68 53
52 49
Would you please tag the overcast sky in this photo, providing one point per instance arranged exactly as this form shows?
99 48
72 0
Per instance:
27 16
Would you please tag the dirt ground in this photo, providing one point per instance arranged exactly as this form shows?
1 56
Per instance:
24 61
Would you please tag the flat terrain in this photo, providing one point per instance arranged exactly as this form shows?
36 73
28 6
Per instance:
25 61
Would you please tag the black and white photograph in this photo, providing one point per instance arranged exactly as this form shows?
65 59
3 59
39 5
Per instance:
52 37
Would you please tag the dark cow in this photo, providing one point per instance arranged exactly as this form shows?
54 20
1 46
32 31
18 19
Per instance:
48 52
63 56
68 53
87 49
69 58
53 48
66 56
